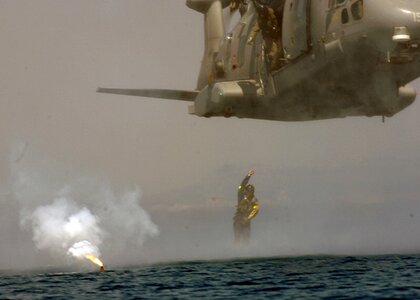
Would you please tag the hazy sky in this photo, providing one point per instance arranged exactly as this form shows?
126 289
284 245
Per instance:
338 186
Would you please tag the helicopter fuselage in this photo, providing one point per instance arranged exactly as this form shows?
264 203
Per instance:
339 58
332 59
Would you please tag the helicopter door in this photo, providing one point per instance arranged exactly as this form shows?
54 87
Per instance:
296 28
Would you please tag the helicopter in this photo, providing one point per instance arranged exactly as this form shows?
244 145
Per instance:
327 59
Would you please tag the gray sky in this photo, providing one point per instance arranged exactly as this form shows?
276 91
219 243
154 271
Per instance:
336 186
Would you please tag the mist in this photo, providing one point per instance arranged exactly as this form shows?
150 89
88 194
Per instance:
157 184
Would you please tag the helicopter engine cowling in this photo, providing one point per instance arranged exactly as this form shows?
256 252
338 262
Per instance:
224 98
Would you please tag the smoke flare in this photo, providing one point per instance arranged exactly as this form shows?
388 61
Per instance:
95 260
85 249
68 216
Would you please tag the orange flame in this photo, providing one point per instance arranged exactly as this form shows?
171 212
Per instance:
95 260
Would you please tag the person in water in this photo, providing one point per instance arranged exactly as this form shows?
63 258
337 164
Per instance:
246 209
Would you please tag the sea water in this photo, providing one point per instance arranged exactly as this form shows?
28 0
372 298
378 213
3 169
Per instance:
311 277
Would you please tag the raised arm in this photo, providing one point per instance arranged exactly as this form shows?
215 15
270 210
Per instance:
241 188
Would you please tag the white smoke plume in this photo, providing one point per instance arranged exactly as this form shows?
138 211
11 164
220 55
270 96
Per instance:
68 216
59 225
123 218
82 249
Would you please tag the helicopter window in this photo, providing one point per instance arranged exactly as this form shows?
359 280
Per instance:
357 10
345 18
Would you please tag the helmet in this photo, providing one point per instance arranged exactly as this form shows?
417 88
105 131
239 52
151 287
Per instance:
249 188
